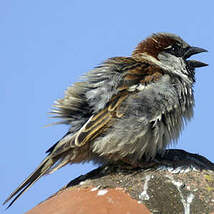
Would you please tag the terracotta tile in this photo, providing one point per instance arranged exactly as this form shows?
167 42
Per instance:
90 201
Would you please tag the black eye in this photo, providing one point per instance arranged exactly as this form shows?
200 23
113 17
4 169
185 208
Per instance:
174 49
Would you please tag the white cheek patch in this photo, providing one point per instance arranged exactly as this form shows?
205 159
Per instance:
170 63
175 65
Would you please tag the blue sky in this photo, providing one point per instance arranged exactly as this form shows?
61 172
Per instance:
46 45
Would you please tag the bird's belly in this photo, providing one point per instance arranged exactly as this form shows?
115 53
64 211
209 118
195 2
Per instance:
137 137
152 120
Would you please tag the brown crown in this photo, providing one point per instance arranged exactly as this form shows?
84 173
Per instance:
154 44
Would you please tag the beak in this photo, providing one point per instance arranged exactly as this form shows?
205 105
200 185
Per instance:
192 51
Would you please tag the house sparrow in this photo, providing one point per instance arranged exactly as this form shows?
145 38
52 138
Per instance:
128 109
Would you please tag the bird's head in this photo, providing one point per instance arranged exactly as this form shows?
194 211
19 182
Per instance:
169 52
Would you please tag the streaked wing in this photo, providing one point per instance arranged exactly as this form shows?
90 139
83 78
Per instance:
96 125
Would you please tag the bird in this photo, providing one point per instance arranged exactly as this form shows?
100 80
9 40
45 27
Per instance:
127 109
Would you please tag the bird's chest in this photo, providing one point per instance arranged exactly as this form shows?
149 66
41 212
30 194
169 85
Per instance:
165 101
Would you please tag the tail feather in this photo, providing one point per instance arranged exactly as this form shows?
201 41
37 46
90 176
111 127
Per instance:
45 165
